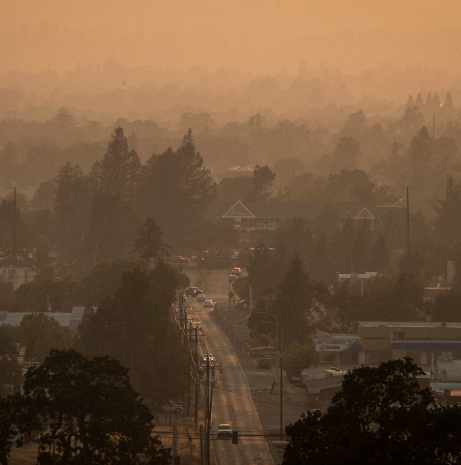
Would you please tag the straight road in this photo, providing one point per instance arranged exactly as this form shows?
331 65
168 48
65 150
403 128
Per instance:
232 401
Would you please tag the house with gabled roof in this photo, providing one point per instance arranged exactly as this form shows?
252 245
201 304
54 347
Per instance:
249 218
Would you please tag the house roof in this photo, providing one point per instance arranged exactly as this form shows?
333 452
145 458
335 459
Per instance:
325 383
412 330
280 210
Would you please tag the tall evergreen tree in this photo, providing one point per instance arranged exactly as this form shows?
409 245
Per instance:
321 263
346 153
149 243
112 228
72 207
120 170
176 190
419 102
8 164
429 101
379 254
410 102
294 303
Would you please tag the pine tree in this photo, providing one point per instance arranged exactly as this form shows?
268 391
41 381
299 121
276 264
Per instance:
72 207
419 101
149 241
410 103
119 171
294 302
429 101
448 104
436 101
379 254
321 263
8 164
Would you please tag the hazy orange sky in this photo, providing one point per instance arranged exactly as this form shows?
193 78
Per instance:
258 35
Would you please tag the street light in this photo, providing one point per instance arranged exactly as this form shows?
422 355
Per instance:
281 373
276 337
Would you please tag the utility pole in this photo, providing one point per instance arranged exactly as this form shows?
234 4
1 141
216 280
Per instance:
190 445
281 390
14 232
433 127
209 417
408 220
175 439
190 367
197 378
207 380
202 458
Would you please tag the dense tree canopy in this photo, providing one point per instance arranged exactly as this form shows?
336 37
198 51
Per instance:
380 416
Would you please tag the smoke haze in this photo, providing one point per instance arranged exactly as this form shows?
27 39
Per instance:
259 36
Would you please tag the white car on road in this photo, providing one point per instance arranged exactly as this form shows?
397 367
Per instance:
208 303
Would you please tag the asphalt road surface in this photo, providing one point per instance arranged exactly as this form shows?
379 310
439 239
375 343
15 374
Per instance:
232 401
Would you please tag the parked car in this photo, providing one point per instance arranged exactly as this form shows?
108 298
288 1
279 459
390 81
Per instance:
224 431
191 290
264 363
208 303
197 324
172 406
232 278
201 298
237 271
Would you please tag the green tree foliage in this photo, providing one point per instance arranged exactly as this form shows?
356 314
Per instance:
380 416
343 247
41 333
103 281
12 424
135 330
44 295
8 164
183 281
297 357
322 267
233 189
352 186
379 254
448 222
296 239
295 302
112 228
242 288
346 153
287 168
344 309
10 370
400 300
326 222
72 208
176 190
45 195
120 170
93 401
263 179
149 243
261 270
446 307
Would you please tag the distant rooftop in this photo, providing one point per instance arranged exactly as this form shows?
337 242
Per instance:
402 324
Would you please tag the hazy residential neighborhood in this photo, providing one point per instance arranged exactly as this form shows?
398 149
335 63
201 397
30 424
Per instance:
230 233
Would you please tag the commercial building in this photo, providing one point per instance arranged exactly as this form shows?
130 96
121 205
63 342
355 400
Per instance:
434 346
250 218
